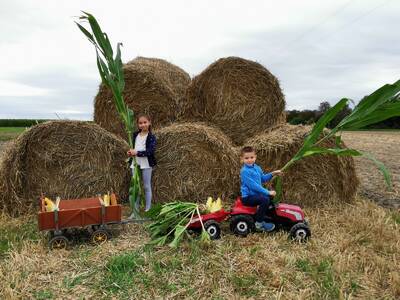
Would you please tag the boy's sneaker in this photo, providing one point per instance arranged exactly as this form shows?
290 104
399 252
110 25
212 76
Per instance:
264 226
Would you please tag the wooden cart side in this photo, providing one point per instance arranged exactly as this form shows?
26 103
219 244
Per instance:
79 217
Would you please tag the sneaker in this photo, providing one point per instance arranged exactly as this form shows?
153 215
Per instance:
264 226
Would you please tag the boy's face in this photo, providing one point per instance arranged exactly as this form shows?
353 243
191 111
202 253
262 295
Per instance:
249 158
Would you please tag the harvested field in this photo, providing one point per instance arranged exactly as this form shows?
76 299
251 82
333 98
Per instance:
385 146
346 258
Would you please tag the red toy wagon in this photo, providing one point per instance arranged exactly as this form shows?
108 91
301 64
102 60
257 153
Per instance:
87 213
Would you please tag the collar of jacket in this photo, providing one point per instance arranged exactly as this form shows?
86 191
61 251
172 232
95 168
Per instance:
249 166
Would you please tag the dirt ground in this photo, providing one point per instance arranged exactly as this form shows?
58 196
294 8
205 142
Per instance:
385 146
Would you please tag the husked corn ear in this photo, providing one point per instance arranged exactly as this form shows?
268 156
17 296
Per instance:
49 204
209 203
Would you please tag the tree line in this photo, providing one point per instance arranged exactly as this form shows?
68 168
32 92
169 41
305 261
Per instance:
307 116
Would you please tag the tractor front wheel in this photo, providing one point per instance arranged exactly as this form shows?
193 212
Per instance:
300 232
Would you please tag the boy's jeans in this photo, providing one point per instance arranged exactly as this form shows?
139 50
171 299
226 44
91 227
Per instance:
262 202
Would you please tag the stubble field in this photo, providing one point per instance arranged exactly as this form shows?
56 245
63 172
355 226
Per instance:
385 146
353 254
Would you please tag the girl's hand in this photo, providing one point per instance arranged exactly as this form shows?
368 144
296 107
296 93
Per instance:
277 172
272 193
131 152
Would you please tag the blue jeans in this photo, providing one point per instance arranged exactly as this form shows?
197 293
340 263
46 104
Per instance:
146 178
262 201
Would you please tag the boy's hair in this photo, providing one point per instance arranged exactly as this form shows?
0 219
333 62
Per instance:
247 149
141 115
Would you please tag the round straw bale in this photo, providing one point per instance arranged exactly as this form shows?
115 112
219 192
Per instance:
152 86
69 159
313 180
239 96
195 161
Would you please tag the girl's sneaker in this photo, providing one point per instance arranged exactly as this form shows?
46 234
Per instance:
268 227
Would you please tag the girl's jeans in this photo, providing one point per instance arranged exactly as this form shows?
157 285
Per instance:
146 177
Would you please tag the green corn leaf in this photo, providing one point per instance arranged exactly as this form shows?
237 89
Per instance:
204 237
102 75
333 151
160 241
278 189
179 230
338 141
99 36
85 32
386 111
318 128
381 167
368 105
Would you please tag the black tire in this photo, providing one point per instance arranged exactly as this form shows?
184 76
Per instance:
58 242
100 236
213 229
300 232
242 225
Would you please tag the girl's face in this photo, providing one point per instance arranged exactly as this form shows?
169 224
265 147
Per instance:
144 123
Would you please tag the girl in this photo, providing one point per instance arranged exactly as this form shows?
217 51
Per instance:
144 147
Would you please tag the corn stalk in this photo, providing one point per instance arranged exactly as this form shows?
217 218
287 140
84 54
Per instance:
112 75
382 104
171 221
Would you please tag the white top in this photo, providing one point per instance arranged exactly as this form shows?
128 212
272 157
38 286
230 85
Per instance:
140 145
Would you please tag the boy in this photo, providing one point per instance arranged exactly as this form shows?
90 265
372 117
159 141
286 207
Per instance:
253 193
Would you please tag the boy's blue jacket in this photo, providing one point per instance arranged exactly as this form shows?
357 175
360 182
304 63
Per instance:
252 178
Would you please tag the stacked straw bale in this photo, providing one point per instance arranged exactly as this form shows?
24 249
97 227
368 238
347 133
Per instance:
62 158
194 161
239 96
313 180
152 86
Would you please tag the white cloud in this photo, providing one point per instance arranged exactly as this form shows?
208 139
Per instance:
13 89
306 44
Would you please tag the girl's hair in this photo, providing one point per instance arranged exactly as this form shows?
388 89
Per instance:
141 115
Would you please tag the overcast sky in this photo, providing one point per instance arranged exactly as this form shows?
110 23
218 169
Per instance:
319 50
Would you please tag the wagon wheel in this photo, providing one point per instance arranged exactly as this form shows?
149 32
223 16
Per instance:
58 242
100 236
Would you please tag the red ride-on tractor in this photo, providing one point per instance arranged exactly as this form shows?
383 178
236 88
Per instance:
284 216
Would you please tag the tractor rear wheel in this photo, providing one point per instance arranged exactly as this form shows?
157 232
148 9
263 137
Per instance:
242 225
